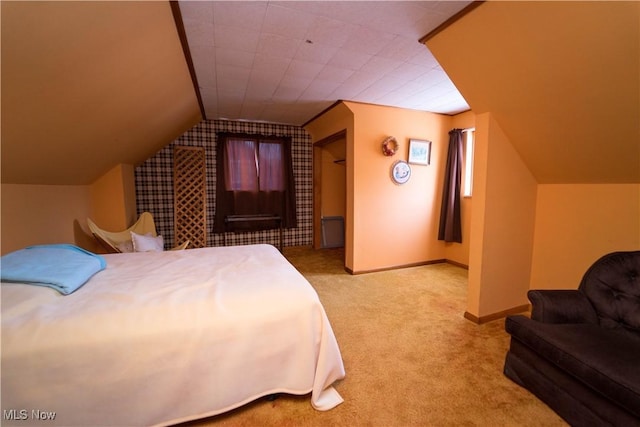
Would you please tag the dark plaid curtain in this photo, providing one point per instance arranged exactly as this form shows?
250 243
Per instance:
450 222
254 176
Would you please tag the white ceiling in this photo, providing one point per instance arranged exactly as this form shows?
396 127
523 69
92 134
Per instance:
287 61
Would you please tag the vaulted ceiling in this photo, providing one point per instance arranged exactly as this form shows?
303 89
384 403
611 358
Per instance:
286 61
88 85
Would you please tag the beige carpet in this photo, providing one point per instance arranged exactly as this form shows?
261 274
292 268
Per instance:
411 358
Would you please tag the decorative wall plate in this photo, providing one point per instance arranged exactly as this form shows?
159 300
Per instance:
400 172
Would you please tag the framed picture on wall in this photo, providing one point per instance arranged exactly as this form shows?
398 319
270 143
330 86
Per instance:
419 151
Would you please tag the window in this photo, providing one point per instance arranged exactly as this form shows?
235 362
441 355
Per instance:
254 177
271 166
467 188
254 165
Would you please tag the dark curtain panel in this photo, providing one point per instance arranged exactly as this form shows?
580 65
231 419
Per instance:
450 222
240 165
254 176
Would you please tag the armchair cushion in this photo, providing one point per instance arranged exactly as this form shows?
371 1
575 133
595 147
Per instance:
612 284
578 350
561 306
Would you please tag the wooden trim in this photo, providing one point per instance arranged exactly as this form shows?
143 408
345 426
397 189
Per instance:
416 264
177 17
331 138
395 267
498 315
317 196
450 21
458 264
339 101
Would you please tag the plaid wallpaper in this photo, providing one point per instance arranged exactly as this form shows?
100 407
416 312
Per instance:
154 182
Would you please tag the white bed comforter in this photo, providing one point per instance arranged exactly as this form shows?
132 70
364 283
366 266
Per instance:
161 338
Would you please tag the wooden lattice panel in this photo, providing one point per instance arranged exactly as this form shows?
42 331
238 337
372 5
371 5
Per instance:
190 196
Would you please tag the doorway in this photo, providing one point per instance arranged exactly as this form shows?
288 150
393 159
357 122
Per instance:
330 191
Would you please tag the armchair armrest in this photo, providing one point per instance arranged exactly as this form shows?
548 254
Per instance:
561 306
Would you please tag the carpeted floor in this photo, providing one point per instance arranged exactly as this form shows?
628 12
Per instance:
411 359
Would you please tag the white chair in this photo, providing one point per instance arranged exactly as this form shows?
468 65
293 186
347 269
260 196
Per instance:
117 241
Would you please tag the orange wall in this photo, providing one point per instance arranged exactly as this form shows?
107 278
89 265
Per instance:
526 235
395 225
389 225
334 179
502 224
43 214
572 116
87 85
332 121
113 199
578 223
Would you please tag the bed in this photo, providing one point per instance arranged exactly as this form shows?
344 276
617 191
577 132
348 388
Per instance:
159 338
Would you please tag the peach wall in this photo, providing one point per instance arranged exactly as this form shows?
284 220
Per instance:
43 214
396 225
566 128
113 198
477 233
578 223
88 85
332 121
334 179
503 222
389 225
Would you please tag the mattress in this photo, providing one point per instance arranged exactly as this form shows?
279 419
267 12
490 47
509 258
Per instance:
159 338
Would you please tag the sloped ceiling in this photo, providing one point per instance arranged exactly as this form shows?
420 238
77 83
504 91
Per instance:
561 78
287 61
88 85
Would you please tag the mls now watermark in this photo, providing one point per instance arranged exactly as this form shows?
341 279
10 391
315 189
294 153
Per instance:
25 414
